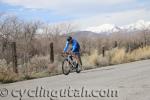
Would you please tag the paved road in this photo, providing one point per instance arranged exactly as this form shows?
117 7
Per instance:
120 82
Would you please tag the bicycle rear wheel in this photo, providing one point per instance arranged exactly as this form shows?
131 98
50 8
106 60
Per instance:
78 68
65 67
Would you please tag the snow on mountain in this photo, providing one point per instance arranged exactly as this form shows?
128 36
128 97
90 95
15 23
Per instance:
103 28
139 25
110 28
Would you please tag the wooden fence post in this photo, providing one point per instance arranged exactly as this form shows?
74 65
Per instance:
51 52
142 44
103 51
14 57
115 44
128 47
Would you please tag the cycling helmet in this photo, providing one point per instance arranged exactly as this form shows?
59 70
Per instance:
69 38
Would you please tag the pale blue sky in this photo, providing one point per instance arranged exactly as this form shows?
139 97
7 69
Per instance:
84 12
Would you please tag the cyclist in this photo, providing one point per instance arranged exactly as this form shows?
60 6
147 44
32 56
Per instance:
75 50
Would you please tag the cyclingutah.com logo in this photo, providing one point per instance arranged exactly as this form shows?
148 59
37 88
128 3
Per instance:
54 94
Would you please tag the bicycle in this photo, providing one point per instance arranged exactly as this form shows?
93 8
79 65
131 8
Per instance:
70 64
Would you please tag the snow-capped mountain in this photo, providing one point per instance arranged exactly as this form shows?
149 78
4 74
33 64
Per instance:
110 28
139 25
103 28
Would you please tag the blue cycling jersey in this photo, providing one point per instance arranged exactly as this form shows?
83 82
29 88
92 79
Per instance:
75 46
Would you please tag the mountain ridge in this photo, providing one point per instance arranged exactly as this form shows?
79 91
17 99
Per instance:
110 28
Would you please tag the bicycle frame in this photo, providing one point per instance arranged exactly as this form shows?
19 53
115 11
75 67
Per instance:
71 59
68 56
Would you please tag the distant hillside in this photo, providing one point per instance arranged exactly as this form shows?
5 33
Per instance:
86 34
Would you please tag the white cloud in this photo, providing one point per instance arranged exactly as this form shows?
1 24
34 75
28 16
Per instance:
117 18
63 5
73 8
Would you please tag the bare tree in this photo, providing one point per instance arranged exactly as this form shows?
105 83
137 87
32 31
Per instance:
28 34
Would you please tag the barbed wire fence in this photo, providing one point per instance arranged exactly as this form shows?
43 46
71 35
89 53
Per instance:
8 52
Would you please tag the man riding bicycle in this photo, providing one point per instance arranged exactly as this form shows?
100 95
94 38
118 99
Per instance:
75 50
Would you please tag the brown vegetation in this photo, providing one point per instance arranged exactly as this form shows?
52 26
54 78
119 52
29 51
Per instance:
33 40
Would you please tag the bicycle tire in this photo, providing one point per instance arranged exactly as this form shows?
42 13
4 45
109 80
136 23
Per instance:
63 67
77 68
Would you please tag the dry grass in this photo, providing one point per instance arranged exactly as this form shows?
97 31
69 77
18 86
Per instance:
6 73
39 66
115 56
118 56
94 60
139 54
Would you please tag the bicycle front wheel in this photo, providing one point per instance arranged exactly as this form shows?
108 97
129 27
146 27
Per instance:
65 67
